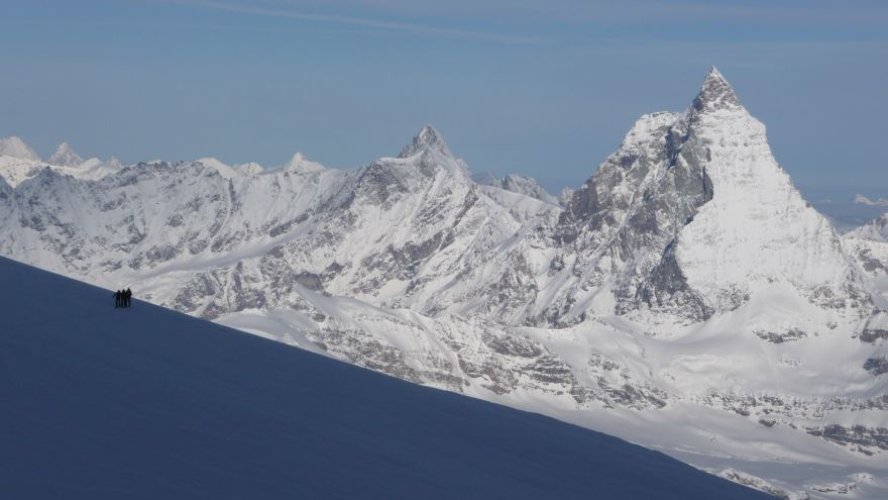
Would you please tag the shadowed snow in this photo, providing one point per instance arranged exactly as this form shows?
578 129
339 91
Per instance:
148 403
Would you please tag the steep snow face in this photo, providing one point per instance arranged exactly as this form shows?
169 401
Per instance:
14 147
756 230
65 156
690 218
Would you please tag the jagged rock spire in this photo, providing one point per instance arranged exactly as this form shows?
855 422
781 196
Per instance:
716 93
428 139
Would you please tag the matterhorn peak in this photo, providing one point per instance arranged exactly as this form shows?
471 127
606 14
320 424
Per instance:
716 93
428 139
16 148
65 156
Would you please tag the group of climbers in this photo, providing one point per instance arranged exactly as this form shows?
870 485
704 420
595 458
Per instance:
122 298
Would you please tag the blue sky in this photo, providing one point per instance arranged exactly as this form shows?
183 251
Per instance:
544 88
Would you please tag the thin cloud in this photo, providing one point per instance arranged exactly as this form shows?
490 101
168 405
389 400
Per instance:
863 200
403 27
789 13
642 11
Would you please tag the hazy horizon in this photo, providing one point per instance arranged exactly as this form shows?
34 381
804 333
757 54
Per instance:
540 89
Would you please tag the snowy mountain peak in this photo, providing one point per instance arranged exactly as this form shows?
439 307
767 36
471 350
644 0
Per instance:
16 148
754 211
428 139
876 230
716 93
299 163
65 156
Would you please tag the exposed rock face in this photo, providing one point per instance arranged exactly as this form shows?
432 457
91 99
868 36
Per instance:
875 328
620 226
683 219
862 438
427 140
781 337
716 94
876 366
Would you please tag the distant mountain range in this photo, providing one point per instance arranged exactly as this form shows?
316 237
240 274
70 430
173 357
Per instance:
686 297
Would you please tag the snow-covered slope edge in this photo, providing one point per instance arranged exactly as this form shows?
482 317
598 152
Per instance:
149 403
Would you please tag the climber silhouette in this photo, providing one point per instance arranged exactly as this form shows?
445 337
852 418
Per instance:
127 297
118 299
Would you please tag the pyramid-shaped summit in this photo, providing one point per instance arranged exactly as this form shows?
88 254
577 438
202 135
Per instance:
300 163
65 156
427 139
727 225
716 93
757 230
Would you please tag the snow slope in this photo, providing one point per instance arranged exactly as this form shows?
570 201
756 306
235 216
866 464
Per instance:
148 403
